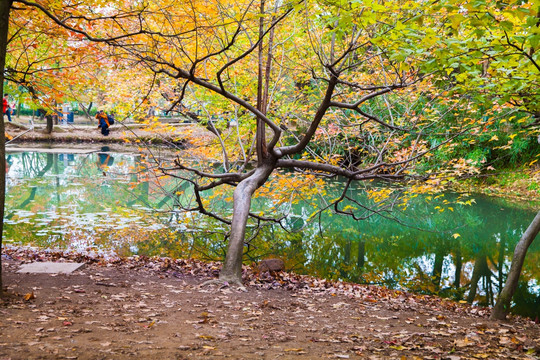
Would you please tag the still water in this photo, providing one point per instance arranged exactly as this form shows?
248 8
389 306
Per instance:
110 203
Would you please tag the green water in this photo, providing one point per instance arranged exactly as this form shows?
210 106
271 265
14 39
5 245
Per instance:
109 203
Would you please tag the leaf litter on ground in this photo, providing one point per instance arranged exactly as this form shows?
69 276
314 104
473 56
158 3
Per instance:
158 307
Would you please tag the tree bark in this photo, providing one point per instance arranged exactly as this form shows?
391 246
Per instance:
49 126
4 29
261 131
232 267
502 307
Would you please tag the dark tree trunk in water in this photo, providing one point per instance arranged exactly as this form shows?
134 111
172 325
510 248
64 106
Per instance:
480 267
502 247
232 267
458 263
360 262
347 254
437 267
503 302
5 6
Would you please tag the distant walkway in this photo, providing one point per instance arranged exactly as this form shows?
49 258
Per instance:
176 135
83 120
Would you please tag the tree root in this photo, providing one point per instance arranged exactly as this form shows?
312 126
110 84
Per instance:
224 283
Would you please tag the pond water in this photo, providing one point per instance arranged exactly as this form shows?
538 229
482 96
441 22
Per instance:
450 244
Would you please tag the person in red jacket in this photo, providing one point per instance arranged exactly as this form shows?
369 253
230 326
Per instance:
6 108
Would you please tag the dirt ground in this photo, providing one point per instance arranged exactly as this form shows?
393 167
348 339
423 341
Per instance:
140 308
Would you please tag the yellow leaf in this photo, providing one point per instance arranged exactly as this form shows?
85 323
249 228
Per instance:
151 324
481 356
206 337
494 138
29 296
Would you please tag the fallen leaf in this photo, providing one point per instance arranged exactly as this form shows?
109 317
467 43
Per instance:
29 296
206 337
150 325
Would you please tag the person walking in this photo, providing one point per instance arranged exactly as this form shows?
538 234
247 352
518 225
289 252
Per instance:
6 107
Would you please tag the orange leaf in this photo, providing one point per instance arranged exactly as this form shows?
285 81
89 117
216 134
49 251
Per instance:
29 296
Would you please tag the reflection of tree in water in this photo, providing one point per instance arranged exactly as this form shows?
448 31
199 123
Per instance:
378 251
38 173
525 302
61 196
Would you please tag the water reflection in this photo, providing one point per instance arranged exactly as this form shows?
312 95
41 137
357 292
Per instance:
105 200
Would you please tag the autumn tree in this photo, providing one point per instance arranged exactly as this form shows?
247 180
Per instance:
56 64
295 74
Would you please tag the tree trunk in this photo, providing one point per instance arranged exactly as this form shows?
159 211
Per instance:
503 302
19 107
4 28
232 267
86 111
49 127
261 131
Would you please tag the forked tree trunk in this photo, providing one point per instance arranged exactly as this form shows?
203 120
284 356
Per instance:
5 6
503 302
232 267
